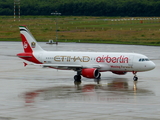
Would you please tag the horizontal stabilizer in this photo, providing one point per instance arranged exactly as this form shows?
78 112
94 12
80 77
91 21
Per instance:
24 55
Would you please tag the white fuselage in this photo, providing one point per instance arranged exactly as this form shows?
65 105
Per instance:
105 61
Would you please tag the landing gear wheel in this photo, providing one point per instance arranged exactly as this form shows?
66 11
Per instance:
98 79
135 78
77 79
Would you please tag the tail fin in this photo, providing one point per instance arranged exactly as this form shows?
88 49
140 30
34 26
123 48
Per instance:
28 41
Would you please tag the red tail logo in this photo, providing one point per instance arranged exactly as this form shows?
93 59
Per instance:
26 46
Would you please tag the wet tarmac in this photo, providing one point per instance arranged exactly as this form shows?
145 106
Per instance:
39 93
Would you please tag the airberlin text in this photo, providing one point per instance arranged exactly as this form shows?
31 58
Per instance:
108 59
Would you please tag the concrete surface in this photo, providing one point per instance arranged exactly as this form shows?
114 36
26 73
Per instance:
35 93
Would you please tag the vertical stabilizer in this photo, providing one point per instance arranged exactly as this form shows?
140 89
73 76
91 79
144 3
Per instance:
28 41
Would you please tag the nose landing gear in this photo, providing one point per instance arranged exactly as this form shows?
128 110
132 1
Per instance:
135 78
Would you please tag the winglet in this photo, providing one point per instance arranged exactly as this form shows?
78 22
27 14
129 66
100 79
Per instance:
25 64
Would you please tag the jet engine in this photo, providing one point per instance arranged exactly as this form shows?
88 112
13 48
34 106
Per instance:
119 72
90 73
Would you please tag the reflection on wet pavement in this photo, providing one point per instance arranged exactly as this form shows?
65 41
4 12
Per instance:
115 90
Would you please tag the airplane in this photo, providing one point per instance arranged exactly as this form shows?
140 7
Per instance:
86 64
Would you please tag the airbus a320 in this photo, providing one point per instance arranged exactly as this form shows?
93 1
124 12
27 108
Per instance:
86 64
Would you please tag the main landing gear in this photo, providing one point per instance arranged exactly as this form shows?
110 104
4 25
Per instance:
77 79
135 78
97 80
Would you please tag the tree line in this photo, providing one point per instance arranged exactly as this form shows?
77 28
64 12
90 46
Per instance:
124 8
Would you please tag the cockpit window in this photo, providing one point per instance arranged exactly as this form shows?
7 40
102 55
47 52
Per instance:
143 59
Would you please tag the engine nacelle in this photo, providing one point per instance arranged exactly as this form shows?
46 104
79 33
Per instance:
90 73
119 72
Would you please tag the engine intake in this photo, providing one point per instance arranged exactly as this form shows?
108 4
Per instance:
90 73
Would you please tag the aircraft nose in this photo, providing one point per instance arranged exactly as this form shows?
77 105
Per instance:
151 66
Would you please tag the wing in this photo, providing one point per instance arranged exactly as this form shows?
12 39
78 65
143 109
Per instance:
69 66
61 66
65 66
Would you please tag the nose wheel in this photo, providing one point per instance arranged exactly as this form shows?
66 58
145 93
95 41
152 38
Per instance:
135 78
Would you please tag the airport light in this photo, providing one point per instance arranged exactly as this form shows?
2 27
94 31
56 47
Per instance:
56 20
16 3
